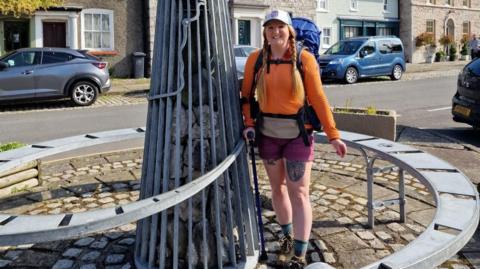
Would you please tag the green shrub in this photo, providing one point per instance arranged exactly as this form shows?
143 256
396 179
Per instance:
439 56
11 145
464 50
453 52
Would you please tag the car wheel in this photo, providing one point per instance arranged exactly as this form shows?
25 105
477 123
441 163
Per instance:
84 93
397 72
351 75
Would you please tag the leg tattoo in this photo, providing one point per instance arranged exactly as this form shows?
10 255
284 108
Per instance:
295 170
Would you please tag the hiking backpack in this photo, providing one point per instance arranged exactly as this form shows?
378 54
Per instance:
308 35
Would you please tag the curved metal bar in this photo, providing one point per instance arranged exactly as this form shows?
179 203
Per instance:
16 230
433 246
14 158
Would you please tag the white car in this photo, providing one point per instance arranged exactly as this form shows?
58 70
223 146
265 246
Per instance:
241 54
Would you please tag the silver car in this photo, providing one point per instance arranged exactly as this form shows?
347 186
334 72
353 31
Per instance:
33 73
241 55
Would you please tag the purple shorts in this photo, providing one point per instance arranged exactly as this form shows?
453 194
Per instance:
271 148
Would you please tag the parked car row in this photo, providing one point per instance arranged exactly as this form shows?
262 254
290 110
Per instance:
52 73
352 58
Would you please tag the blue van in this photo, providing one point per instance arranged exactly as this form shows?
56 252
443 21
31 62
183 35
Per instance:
358 57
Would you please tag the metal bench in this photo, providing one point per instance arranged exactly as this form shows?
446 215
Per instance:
456 198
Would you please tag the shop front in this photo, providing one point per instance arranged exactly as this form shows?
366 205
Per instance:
362 27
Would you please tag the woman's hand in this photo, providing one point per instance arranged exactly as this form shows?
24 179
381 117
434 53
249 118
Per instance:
249 133
339 147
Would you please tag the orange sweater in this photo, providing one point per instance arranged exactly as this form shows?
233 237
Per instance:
279 91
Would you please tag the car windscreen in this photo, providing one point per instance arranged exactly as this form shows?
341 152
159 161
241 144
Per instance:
346 47
474 67
238 52
249 50
4 57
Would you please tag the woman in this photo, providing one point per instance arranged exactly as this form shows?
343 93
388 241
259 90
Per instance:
287 156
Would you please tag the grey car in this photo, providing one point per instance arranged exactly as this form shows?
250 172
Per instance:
241 55
51 73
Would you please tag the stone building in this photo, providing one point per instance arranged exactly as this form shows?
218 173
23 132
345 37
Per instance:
98 26
454 18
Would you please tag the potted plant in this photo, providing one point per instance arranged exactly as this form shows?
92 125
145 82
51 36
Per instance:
427 40
453 52
439 56
369 121
445 40
464 51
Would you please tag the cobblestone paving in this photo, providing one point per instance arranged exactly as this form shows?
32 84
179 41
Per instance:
338 193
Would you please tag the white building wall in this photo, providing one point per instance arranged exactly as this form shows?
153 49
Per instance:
255 16
367 10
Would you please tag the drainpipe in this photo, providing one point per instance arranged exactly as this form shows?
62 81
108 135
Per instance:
146 37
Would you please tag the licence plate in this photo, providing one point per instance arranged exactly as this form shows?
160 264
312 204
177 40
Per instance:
462 110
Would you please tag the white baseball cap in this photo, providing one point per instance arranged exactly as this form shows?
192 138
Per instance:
278 15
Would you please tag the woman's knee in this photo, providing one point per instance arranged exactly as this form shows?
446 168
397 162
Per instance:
299 196
279 189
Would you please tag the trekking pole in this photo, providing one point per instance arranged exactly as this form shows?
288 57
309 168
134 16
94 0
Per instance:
263 254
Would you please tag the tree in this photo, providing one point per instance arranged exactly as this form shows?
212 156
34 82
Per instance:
18 8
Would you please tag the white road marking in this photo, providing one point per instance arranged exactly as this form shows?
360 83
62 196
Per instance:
440 108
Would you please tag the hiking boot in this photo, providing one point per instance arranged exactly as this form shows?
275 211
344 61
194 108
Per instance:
296 263
286 244
286 250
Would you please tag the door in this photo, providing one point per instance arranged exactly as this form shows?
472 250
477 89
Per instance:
387 57
54 34
16 81
16 34
368 59
53 73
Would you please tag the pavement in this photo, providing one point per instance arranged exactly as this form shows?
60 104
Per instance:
339 237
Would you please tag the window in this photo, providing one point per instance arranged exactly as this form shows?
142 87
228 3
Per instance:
97 29
466 28
384 31
396 46
368 49
244 32
384 46
327 34
466 3
433 2
430 27
322 4
450 2
51 57
351 31
353 5
23 59
385 5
